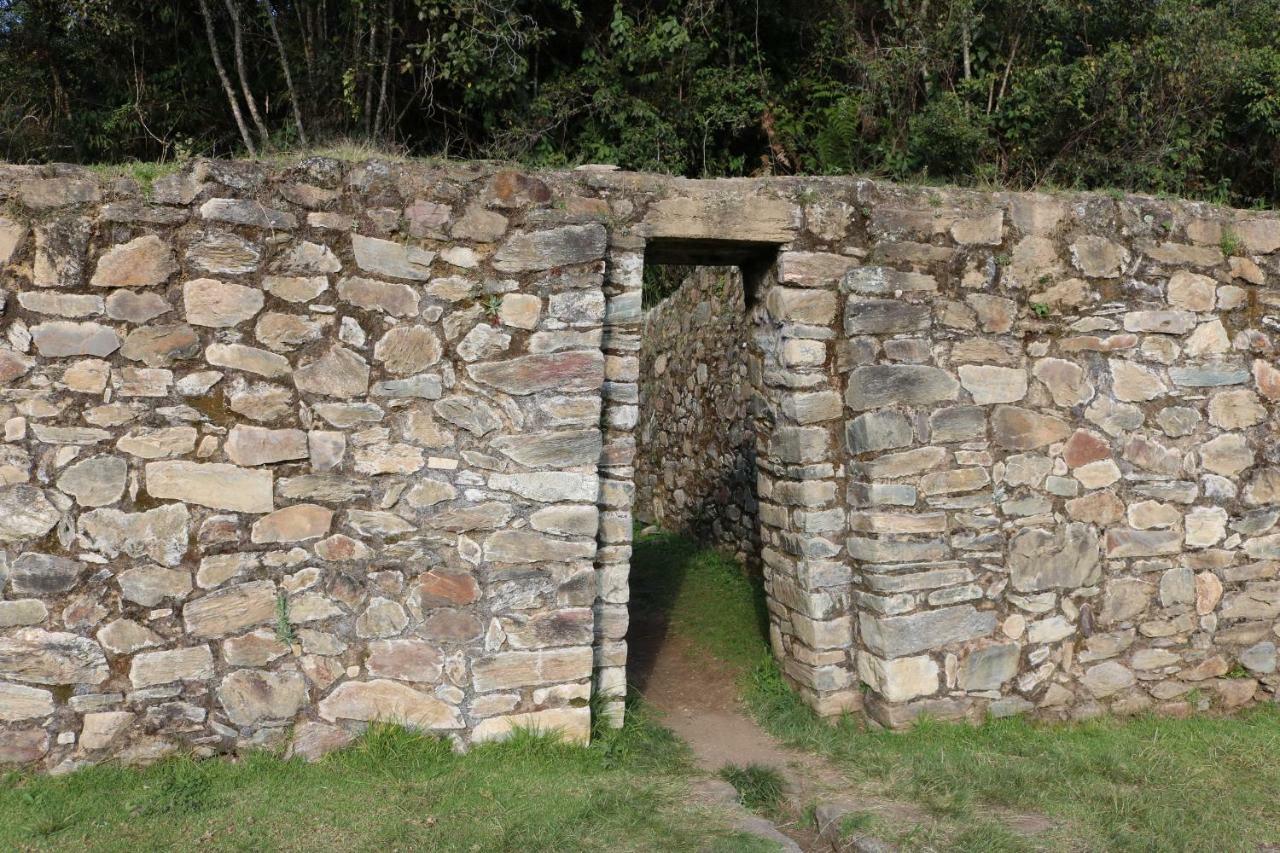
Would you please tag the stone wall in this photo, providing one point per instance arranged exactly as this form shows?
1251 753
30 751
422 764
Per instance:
290 448
695 444
318 445
1061 472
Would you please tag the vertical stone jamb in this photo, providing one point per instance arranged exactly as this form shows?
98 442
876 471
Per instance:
620 413
802 516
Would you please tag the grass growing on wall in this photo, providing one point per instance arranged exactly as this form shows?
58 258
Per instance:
392 790
1207 783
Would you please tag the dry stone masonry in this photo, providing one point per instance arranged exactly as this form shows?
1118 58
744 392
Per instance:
695 443
292 448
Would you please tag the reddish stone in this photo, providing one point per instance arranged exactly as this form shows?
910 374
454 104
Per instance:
1208 668
1267 378
22 746
340 547
1084 447
575 370
451 626
14 365
447 586
1153 456
513 189
1101 508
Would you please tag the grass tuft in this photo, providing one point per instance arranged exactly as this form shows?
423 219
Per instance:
759 788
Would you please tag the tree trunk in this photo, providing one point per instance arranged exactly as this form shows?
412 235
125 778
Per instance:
226 81
386 65
288 75
368 79
237 43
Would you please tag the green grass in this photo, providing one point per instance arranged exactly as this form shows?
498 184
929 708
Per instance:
146 173
392 790
1206 783
759 788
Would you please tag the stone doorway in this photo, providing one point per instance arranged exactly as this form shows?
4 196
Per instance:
766 374
695 463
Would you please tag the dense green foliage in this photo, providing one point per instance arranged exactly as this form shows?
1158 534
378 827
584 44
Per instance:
1178 96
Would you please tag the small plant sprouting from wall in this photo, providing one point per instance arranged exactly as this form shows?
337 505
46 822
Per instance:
492 306
1230 243
284 628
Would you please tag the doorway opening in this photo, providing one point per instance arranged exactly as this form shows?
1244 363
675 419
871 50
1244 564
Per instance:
696 454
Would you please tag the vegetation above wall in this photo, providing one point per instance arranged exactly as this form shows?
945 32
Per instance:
1180 97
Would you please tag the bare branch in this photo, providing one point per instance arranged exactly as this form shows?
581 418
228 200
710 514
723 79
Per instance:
288 75
386 66
237 42
226 81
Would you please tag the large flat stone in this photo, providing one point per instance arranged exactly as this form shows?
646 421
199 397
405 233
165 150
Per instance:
564 371
159 346
338 373
510 670
51 657
558 247
561 449
549 487
897 636
297 523
44 574
1068 557
160 533
19 702
389 702
251 697
518 546
573 725
251 445
212 484
150 585
406 350
249 359
231 610
398 300
189 664
142 262
97 481
25 513
61 338
209 302
880 385
247 212
1022 429
396 260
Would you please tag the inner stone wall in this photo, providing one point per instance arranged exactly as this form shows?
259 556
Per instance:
695 443
291 448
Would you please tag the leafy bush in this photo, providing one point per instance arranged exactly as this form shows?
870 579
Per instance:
1181 96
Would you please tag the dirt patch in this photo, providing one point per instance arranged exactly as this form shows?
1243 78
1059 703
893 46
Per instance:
698 699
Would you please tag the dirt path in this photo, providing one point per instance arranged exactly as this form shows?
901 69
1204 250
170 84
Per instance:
698 698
